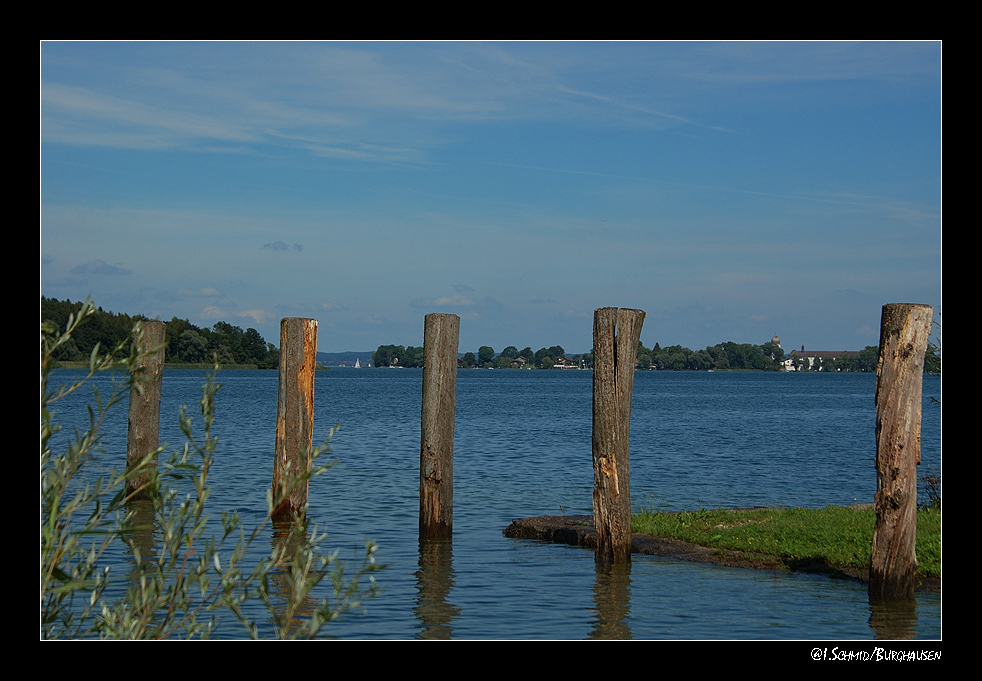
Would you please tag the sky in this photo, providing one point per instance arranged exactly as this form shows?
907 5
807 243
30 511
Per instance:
731 190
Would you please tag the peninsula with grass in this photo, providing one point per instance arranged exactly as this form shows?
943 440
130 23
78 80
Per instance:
834 540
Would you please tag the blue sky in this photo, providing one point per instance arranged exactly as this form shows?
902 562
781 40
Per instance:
731 190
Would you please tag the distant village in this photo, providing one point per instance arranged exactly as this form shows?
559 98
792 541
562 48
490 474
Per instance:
728 356
828 360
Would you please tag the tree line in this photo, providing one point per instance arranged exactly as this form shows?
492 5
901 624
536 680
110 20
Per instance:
728 356
190 344
184 342
720 357
486 357
513 358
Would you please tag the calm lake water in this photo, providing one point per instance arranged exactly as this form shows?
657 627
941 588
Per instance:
522 448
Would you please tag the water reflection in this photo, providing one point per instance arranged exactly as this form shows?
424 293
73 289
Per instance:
289 608
141 528
612 600
893 620
434 581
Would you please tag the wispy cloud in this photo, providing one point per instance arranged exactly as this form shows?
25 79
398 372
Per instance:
203 292
75 115
388 102
780 63
456 300
213 312
458 303
100 267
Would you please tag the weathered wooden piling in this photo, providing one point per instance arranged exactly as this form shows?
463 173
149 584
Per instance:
294 415
615 344
440 337
904 332
143 434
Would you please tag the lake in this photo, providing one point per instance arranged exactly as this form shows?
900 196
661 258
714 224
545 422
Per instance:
523 448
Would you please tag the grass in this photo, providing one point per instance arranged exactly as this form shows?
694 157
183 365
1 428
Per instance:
833 536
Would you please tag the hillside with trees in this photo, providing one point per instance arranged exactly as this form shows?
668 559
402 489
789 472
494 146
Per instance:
185 343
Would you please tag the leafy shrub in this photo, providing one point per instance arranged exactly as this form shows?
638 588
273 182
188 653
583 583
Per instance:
191 583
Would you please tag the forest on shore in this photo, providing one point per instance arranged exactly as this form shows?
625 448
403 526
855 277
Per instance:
185 343
728 356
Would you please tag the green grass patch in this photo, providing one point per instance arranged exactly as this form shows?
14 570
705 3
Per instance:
835 536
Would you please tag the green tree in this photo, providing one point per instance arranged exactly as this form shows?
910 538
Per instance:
388 355
502 362
868 358
102 328
542 354
253 347
644 356
228 342
191 347
272 357
414 357
774 352
718 356
485 354
700 360
173 330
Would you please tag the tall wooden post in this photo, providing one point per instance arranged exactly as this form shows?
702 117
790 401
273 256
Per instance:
143 435
294 415
440 338
615 345
904 332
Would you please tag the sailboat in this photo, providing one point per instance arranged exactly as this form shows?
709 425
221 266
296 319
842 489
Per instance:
357 364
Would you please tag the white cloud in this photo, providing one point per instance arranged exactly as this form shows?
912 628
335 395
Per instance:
258 316
454 300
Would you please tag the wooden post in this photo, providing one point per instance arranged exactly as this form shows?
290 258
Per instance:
143 434
615 346
294 415
440 337
904 331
